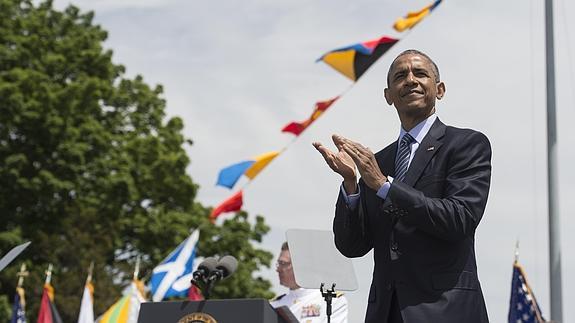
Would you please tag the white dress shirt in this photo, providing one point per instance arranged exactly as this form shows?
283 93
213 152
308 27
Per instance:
308 306
418 133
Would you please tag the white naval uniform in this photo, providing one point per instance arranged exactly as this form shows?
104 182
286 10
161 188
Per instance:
308 306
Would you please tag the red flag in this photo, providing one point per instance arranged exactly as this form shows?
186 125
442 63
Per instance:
234 203
298 127
194 294
48 312
295 127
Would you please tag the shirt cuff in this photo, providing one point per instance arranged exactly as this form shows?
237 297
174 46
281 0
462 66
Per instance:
384 189
351 200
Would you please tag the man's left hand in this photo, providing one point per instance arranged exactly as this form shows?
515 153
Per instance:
365 161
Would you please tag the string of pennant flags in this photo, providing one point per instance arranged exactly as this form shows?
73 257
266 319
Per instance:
350 61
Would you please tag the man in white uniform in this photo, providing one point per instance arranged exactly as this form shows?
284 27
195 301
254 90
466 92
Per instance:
307 305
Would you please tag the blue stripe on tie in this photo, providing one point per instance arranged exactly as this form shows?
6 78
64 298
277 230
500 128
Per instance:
402 159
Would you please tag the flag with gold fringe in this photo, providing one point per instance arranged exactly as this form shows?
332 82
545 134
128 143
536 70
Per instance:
19 309
523 307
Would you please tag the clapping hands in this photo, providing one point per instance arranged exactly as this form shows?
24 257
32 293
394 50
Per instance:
350 155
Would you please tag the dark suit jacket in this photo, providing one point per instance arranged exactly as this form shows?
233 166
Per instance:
423 232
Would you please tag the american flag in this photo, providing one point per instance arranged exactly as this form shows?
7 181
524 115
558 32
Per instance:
18 314
523 306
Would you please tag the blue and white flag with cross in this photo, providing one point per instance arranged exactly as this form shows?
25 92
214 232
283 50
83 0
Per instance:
173 276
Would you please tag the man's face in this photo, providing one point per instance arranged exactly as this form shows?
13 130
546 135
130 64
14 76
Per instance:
412 88
285 270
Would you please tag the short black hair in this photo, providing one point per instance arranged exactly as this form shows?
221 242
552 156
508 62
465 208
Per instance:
285 246
415 52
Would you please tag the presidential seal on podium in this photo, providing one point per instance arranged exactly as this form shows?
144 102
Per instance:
197 318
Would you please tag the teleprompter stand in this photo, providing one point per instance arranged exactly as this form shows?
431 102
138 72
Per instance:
316 262
328 295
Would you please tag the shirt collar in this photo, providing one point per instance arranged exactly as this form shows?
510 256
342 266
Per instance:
420 130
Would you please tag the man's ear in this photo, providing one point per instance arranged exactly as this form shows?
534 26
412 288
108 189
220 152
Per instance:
440 90
387 96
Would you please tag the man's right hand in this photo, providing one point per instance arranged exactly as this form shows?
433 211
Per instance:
342 164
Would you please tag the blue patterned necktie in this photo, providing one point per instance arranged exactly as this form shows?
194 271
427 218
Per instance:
402 159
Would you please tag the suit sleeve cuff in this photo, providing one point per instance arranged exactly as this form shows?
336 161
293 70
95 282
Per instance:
351 200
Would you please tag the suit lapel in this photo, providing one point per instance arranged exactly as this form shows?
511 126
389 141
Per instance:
428 147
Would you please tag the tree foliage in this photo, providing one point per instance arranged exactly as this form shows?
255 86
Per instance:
92 170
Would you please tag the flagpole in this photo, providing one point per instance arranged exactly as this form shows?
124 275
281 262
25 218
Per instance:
516 251
21 275
90 271
552 183
137 268
49 274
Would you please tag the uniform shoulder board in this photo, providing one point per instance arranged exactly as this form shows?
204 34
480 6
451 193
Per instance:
338 294
277 298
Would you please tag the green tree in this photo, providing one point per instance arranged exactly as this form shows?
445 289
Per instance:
5 310
91 169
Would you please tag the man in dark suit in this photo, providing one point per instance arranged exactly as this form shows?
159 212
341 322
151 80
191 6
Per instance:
417 204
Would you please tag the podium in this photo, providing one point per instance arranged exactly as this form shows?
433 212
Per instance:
210 311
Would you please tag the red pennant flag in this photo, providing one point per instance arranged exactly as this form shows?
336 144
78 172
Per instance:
295 127
298 127
234 203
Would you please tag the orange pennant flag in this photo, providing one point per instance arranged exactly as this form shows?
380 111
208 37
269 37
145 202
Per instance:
298 127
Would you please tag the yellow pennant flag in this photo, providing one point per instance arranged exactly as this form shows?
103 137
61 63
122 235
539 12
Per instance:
413 18
261 162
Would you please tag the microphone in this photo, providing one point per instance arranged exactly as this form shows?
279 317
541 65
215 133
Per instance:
226 266
205 268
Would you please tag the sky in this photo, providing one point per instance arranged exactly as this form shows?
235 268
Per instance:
237 71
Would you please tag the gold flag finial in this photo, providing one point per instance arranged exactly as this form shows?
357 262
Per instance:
137 269
90 272
49 274
21 275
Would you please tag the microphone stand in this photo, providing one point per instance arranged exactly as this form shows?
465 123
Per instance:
328 295
209 286
205 285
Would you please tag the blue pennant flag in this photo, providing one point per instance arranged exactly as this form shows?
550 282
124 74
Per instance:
18 314
523 307
172 278
231 174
